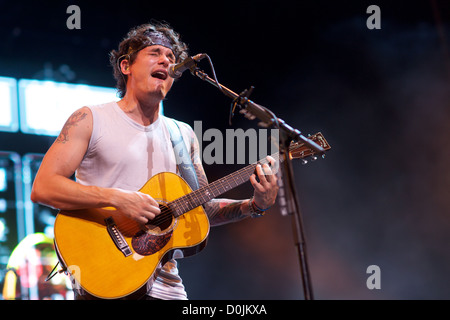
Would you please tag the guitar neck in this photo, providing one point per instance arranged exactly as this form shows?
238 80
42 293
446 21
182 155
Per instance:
216 188
231 181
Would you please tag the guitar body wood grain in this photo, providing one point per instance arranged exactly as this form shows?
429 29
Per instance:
86 248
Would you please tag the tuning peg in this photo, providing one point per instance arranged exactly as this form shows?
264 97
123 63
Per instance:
304 161
313 158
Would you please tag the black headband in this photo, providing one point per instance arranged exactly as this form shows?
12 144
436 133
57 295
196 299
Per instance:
158 38
154 38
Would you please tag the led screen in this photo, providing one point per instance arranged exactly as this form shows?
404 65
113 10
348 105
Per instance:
8 105
46 105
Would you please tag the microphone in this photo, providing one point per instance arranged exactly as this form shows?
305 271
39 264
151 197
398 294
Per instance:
176 70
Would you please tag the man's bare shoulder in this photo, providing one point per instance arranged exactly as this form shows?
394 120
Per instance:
80 121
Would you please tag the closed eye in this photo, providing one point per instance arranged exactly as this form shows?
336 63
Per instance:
157 51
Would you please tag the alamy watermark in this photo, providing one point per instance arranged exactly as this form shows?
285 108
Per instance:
74 20
374 20
374 280
236 146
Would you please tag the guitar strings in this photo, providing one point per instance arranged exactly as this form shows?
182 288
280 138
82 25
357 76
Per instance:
166 214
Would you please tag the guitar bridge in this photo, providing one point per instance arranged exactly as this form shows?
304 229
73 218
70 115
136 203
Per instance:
117 237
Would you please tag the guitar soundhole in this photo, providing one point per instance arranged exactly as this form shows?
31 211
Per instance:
158 233
163 223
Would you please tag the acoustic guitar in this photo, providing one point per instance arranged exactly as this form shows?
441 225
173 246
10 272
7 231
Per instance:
110 256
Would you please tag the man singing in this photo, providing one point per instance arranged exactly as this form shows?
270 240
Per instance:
114 148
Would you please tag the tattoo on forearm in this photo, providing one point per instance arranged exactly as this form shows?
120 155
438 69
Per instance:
221 211
201 176
72 121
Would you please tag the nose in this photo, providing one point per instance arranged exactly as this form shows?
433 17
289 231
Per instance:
164 60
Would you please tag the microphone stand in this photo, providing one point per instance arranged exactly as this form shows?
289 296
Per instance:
287 134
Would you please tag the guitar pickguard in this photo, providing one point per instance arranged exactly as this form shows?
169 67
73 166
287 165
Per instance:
146 244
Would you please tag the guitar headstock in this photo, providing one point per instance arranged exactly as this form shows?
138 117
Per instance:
298 150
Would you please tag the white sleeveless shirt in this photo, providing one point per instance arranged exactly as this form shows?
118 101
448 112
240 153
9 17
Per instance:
124 154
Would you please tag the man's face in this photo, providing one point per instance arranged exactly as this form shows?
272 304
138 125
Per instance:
149 72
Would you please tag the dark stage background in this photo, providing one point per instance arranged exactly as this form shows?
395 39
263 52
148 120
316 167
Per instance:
380 97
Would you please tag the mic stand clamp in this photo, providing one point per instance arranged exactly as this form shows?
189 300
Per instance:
241 100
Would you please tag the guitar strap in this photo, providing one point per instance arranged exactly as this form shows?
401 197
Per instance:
182 156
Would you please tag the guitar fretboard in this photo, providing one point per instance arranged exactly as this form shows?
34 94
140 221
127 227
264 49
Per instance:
204 194
214 189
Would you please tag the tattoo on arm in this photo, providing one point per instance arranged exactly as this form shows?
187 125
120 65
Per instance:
219 211
72 121
222 211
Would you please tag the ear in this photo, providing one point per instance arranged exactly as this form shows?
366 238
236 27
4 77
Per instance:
125 66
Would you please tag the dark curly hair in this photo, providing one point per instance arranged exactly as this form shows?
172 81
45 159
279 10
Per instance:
136 40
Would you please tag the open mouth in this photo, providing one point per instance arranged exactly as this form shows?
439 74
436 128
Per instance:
160 74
